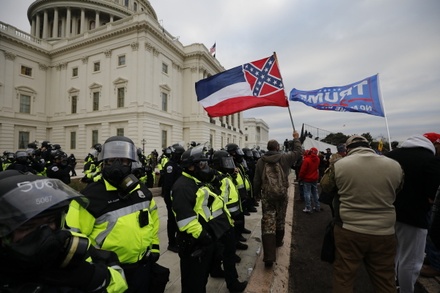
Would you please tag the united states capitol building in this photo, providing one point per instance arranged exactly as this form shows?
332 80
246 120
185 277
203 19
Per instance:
91 69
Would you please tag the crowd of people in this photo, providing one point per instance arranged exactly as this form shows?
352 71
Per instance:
105 238
47 160
107 235
381 204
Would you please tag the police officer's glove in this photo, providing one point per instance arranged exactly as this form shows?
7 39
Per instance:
106 257
205 238
153 257
85 276
215 182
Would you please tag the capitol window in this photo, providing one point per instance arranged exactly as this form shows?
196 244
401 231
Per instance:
121 97
121 60
164 101
96 66
26 70
165 68
25 104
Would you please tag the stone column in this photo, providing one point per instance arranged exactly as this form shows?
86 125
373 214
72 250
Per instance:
33 26
97 24
45 25
74 25
83 21
68 22
63 27
37 26
55 23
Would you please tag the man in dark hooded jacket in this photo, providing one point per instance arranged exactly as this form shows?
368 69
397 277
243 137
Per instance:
413 203
274 209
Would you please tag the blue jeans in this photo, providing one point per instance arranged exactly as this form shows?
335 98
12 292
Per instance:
432 254
311 193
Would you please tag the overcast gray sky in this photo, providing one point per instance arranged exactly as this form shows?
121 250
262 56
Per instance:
318 44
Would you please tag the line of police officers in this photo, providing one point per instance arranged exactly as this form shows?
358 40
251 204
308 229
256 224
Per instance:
113 224
48 160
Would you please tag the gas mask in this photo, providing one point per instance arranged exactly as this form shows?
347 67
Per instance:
64 162
203 172
238 158
120 176
45 248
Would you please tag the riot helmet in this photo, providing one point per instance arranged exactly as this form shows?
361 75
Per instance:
248 153
197 158
23 197
176 152
235 151
32 145
118 153
46 144
193 156
21 157
32 213
223 162
256 154
97 147
59 157
167 152
118 147
9 155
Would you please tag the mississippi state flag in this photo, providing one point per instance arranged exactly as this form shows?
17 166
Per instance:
251 85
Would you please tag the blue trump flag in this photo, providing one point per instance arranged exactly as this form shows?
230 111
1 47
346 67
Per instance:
362 96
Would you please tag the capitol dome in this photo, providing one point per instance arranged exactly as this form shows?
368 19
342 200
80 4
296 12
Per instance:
58 19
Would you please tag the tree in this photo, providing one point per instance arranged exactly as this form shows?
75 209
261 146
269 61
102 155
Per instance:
335 138
367 136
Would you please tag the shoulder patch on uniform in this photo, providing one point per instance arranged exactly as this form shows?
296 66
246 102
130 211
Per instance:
141 194
169 169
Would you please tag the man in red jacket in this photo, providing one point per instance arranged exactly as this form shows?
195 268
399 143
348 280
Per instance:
309 175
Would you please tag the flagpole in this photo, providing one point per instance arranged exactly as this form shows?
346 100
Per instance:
288 106
384 114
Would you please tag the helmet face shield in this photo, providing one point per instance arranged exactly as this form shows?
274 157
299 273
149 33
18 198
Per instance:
118 149
239 152
228 163
28 199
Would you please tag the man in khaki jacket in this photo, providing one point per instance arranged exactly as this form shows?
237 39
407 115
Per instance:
366 184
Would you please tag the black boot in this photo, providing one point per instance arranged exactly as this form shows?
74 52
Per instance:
279 237
237 286
269 249
241 246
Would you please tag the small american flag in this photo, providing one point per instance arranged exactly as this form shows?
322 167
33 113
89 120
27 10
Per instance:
212 50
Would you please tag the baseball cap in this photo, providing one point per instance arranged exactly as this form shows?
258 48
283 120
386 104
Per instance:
341 148
356 141
314 151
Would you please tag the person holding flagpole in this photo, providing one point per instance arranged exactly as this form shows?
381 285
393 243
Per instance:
274 207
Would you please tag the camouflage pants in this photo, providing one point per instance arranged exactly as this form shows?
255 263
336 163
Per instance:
274 215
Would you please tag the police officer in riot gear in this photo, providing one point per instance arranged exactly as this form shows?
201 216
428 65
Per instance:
201 219
123 210
171 172
243 185
59 167
36 253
